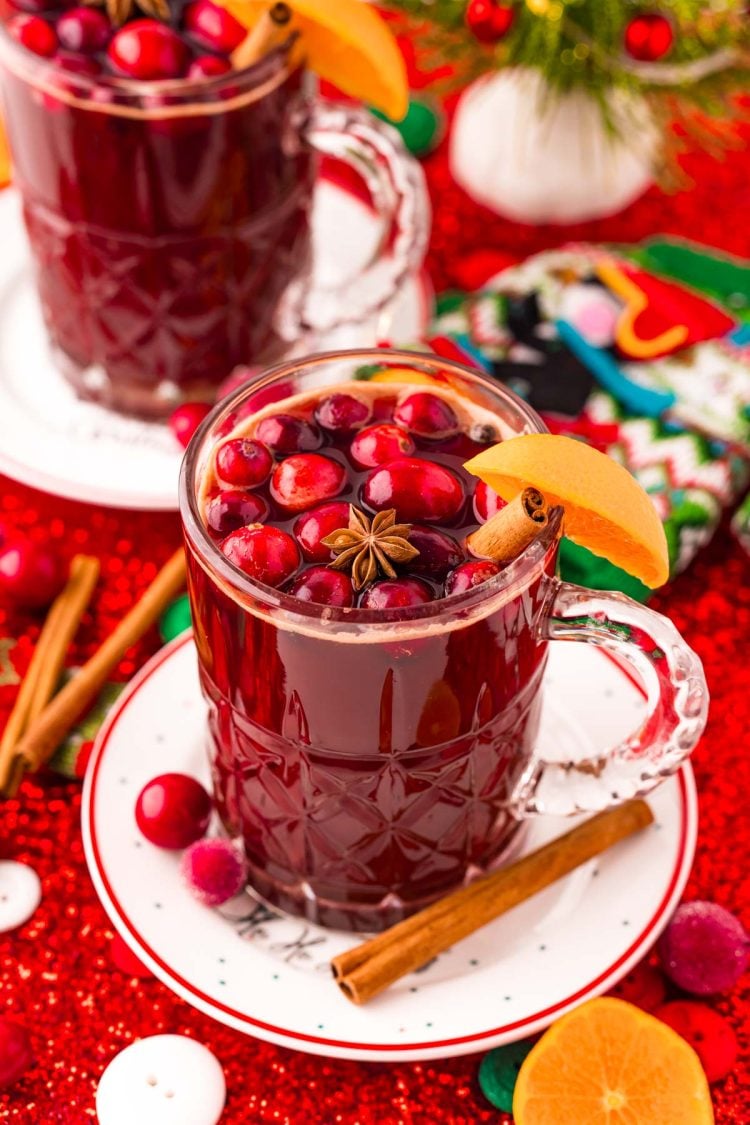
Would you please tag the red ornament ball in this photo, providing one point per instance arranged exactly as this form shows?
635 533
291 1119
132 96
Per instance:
649 37
126 961
186 419
704 949
708 1033
16 1055
173 810
643 986
489 21
214 871
31 576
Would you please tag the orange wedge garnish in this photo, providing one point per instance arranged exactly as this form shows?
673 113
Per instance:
606 509
609 1063
4 158
347 43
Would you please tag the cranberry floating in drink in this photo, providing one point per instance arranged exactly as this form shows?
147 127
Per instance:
373 687
167 172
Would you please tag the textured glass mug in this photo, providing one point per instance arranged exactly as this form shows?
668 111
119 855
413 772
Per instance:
170 221
355 828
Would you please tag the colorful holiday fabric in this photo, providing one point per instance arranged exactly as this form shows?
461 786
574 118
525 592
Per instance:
741 523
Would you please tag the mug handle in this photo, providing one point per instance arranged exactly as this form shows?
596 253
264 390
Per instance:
676 704
399 195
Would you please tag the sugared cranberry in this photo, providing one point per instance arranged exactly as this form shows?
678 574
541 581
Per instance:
418 490
232 509
16 1055
213 27
208 66
214 870
438 553
379 444
311 527
470 574
35 34
173 810
266 554
487 503
324 586
426 415
30 575
340 413
148 50
186 419
244 462
306 479
83 29
396 593
285 433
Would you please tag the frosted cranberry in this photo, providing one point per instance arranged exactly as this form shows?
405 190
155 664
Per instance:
324 586
232 509
266 554
213 27
16 1055
487 503
311 527
149 50
208 66
341 413
285 433
35 34
305 479
418 490
83 29
379 444
438 552
244 462
397 593
426 415
470 574
186 419
173 810
30 575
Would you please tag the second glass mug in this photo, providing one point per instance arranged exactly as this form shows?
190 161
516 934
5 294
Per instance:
170 221
324 723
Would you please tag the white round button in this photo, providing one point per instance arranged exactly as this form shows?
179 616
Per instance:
20 894
162 1080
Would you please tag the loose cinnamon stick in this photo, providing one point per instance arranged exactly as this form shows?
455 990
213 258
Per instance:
371 967
508 533
39 742
47 660
271 30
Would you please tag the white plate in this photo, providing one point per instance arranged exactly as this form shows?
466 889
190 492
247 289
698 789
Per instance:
268 975
52 440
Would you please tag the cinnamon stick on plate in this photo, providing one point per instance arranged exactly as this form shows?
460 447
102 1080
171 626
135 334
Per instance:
508 533
371 967
43 736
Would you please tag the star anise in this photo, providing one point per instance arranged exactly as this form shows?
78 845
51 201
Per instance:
120 11
370 546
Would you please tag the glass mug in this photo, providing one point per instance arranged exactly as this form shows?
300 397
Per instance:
170 227
324 724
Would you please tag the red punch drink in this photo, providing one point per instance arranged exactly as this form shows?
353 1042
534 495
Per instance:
367 721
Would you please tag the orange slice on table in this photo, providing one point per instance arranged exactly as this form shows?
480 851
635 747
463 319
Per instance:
609 1063
606 509
347 43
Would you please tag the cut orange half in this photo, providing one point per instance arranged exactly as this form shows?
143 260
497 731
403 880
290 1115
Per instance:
347 43
606 509
609 1063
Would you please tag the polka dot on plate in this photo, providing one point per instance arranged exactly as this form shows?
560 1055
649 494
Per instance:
162 1080
20 894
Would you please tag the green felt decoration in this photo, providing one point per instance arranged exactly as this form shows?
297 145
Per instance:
579 565
175 619
423 127
498 1072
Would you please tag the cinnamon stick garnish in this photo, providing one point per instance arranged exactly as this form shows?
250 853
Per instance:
47 660
271 30
373 966
508 533
43 736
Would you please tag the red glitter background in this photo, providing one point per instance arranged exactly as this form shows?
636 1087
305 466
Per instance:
58 977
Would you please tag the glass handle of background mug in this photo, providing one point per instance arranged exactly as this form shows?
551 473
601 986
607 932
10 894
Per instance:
399 196
676 704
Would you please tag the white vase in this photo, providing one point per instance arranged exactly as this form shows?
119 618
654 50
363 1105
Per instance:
540 157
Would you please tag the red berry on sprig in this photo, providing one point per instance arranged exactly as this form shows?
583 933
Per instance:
648 37
488 20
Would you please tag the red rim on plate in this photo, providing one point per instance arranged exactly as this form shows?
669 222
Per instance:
240 1020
